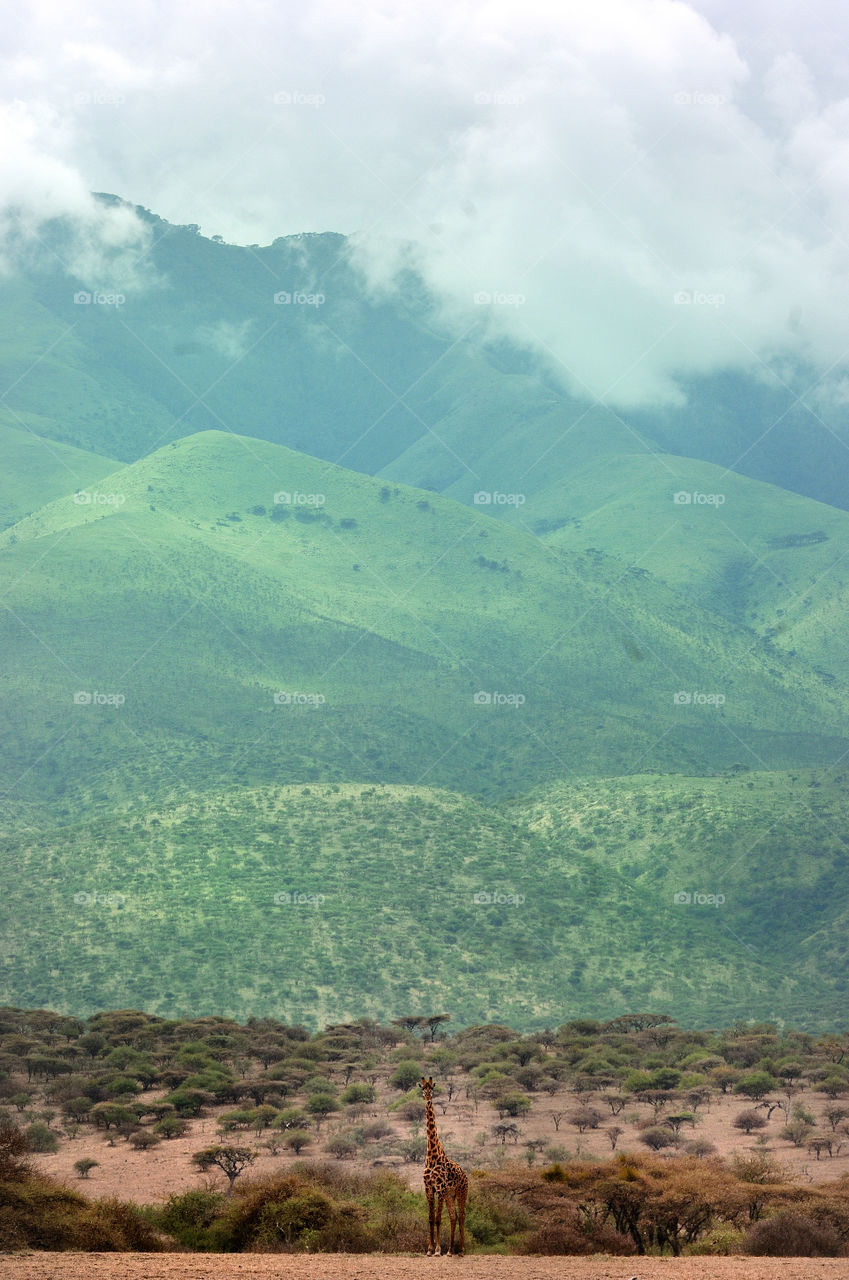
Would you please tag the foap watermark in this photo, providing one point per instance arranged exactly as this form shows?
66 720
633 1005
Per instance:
84 698
294 898
93 498
298 298
497 898
492 497
99 98
285 498
683 698
483 298
292 698
685 498
95 298
698 298
698 98
97 899
485 698
685 899
296 98
498 98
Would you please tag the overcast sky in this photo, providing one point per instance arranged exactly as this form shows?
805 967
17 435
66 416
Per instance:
645 189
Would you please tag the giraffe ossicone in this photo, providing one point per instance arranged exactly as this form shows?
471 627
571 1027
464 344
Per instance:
445 1183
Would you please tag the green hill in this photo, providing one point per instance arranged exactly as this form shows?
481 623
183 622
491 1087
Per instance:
189 598
767 559
36 470
324 903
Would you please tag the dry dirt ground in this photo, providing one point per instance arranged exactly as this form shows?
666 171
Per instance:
147 1177
192 1266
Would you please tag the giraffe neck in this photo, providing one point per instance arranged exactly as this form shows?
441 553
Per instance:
434 1146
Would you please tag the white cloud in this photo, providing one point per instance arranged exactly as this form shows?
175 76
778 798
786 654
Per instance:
37 186
594 161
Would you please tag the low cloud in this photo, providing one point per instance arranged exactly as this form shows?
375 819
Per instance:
100 244
663 185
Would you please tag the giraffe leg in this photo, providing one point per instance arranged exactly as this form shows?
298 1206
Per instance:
461 1215
431 1208
438 1250
452 1214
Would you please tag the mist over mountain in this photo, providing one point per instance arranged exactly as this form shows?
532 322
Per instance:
291 342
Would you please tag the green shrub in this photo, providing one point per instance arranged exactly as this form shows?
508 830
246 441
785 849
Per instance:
41 1138
406 1075
190 1217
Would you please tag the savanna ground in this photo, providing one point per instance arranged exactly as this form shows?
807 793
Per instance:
149 1176
145 1266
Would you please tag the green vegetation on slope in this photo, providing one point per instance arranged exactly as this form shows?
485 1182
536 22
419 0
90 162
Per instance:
416 640
324 902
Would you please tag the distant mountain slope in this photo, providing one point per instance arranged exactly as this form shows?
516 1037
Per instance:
760 556
189 593
321 903
286 342
771 846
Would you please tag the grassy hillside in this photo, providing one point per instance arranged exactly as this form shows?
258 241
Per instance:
36 470
324 903
189 593
767 559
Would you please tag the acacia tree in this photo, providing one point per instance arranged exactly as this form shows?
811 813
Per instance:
230 1160
435 1020
320 1106
755 1086
505 1131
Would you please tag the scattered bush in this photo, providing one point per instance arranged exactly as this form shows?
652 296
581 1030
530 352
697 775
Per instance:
748 1120
405 1076
14 1165
41 1138
792 1235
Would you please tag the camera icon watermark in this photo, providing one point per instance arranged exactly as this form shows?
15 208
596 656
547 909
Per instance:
498 98
294 98
83 698
298 299
483 298
99 98
83 899
486 498
293 898
683 498
685 899
698 298
285 698
497 898
689 98
485 698
93 498
88 298
684 698
285 498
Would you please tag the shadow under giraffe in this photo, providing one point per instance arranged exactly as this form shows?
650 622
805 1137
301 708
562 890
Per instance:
445 1183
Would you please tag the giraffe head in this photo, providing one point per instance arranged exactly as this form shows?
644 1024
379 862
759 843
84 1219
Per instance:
427 1087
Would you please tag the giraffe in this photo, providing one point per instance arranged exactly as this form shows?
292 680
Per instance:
444 1182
